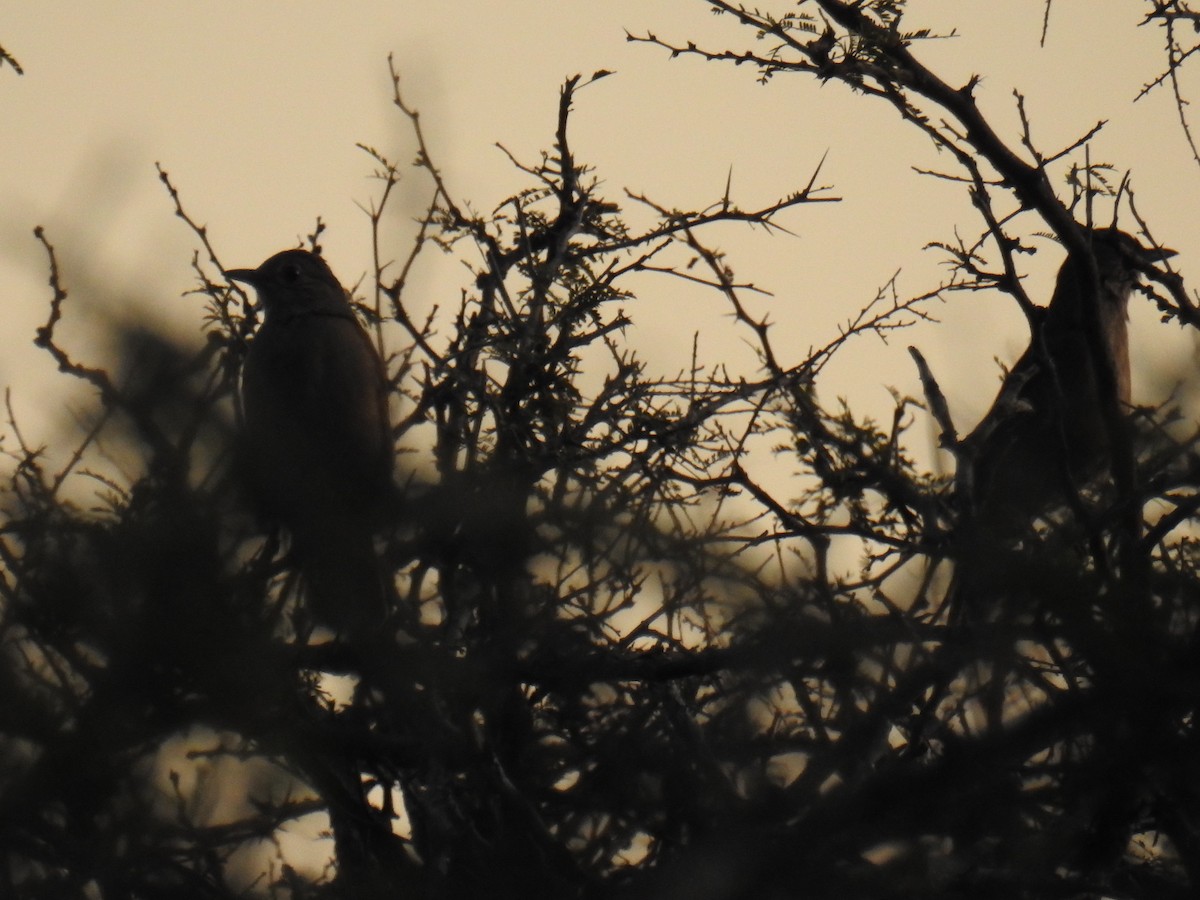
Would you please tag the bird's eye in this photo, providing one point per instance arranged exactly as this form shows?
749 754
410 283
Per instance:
290 273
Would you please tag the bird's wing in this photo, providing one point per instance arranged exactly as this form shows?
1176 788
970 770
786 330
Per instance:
316 401
345 394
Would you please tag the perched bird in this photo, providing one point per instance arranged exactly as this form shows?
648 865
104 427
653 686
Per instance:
1045 436
318 441
1046 443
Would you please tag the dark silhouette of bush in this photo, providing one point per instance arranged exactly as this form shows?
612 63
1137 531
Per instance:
616 662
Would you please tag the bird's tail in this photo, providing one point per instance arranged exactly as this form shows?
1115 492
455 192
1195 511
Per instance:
345 585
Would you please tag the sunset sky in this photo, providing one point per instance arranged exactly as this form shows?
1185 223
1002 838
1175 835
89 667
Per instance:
255 109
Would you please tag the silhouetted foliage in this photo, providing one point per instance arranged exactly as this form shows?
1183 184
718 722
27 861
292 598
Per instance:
620 658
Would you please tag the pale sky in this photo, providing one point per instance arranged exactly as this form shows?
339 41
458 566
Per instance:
255 109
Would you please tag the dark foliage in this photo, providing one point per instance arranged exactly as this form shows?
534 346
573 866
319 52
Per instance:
620 660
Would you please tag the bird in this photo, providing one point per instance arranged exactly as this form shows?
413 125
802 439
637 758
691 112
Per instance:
1044 445
1046 435
318 442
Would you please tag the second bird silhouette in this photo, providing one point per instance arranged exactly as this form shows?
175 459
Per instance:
1047 436
319 446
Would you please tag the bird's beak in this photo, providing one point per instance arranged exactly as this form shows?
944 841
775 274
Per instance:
248 276
1163 253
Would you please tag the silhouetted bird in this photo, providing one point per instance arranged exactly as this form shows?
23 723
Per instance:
1046 435
1046 438
318 441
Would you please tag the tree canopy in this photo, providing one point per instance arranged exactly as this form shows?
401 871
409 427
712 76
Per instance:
711 634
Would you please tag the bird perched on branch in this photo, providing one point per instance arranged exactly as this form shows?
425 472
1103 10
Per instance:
1048 433
319 444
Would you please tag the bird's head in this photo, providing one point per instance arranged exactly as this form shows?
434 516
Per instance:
294 282
1121 258
1120 261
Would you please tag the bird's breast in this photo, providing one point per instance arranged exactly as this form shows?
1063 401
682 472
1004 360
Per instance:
315 401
